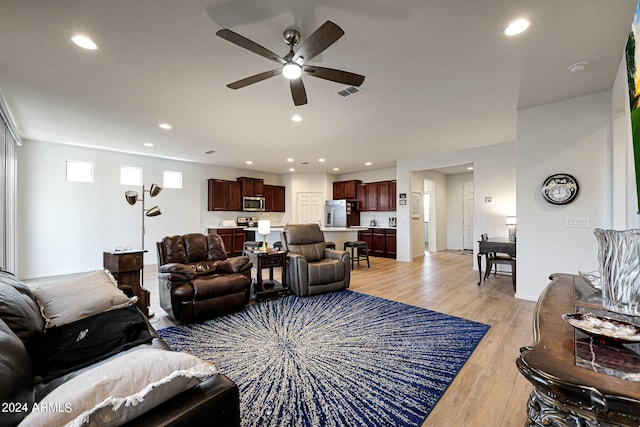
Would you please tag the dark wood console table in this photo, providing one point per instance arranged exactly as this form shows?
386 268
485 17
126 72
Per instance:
579 380
495 245
270 260
125 266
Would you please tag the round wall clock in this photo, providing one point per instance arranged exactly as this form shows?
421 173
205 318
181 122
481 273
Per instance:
560 189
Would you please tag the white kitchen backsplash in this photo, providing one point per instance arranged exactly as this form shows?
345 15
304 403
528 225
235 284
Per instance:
381 218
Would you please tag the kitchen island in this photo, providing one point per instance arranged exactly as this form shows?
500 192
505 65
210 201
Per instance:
338 235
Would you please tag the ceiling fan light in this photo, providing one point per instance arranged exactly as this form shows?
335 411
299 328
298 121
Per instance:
291 70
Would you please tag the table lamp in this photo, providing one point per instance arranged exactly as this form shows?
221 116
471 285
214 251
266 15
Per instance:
511 223
264 228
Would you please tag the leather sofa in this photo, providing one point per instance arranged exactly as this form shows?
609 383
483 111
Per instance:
24 391
311 267
197 281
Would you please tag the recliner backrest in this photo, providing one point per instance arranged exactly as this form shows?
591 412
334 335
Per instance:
304 239
193 247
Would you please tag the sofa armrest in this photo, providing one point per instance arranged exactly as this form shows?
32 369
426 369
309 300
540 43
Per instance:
236 264
186 270
216 399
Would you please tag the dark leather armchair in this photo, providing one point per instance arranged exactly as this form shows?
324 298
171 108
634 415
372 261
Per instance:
196 279
312 268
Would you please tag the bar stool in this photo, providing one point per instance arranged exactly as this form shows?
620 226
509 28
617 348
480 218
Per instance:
250 246
362 250
330 245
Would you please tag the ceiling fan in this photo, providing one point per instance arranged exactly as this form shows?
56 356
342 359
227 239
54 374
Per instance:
294 64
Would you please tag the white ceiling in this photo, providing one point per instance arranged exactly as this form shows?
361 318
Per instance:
440 75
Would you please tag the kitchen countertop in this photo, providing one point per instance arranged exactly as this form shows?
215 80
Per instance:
281 228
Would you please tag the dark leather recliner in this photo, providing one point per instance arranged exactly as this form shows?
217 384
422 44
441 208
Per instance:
197 281
311 267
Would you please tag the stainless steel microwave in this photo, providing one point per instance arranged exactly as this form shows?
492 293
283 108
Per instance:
253 204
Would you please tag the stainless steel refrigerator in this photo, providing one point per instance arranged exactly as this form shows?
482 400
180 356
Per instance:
341 213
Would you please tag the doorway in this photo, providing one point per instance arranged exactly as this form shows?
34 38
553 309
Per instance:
310 207
468 219
427 210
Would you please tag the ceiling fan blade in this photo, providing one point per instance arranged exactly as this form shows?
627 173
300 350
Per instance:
254 47
254 79
339 76
326 35
297 92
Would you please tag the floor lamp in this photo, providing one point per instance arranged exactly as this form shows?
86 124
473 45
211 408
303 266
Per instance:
132 198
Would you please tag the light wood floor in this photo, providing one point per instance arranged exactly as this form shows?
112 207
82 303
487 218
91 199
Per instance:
488 391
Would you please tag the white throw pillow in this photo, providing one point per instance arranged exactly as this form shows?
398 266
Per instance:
81 297
120 390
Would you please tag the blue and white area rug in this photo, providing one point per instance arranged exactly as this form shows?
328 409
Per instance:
338 359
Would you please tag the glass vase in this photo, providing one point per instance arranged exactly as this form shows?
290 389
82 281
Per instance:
619 264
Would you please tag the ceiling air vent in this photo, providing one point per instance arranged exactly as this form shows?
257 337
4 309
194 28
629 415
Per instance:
210 152
349 91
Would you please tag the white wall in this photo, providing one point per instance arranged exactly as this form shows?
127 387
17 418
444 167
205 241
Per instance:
571 136
63 227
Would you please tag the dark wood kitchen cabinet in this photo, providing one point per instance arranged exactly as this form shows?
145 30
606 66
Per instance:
384 199
390 243
233 239
251 186
371 196
346 189
392 195
366 236
377 196
379 246
224 195
381 241
274 198
362 197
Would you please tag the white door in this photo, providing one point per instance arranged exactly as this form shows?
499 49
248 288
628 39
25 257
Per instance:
310 207
467 206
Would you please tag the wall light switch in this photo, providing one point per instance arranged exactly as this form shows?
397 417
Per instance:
577 222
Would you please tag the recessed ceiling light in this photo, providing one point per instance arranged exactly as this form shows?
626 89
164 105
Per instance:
249 162
84 42
336 169
148 144
470 168
296 118
577 67
321 160
165 126
292 170
289 159
516 27
367 164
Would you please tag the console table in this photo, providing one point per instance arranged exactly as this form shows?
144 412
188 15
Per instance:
579 380
270 260
495 245
125 266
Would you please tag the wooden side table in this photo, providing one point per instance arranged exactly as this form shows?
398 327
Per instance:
268 288
126 267
579 380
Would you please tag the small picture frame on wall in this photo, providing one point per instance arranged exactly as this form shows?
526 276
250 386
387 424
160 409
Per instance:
415 205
